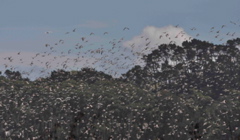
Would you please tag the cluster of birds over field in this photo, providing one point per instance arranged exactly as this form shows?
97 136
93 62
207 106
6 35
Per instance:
109 56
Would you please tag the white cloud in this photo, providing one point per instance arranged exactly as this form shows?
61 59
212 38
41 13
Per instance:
151 37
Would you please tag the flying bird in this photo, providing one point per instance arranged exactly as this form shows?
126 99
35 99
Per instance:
125 28
233 22
148 43
83 38
48 32
193 28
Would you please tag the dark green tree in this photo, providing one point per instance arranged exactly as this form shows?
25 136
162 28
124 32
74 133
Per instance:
15 75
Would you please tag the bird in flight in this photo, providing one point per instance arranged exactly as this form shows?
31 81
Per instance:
233 22
125 28
193 28
48 32
83 38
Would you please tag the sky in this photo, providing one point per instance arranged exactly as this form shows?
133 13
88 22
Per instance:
118 28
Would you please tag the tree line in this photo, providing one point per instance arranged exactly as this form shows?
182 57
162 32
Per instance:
196 64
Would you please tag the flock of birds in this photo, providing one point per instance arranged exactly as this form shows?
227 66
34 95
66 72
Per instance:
44 111
109 56
75 57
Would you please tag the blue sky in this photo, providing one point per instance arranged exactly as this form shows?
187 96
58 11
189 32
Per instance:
24 23
26 19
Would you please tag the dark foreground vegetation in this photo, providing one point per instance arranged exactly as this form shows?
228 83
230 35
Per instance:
188 92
